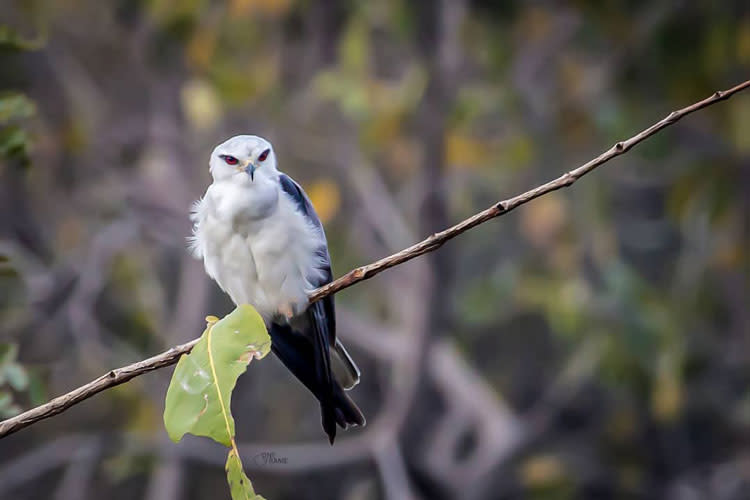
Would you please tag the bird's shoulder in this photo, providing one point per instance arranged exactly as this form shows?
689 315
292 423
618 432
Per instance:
305 207
299 197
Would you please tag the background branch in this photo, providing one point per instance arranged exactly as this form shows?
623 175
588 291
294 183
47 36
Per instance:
122 375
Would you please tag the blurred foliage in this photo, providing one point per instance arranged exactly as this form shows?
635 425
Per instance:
14 106
623 301
13 377
11 40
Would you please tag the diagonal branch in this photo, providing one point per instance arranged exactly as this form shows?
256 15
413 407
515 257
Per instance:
435 241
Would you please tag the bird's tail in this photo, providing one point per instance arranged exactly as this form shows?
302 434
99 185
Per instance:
297 352
344 367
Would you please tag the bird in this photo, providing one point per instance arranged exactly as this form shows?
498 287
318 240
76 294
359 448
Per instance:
262 242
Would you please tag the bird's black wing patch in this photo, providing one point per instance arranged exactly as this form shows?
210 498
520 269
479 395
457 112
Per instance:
300 197
297 350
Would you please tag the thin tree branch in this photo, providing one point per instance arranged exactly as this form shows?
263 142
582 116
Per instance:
435 241
106 381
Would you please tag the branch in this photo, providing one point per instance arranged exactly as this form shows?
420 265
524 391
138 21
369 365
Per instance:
438 239
106 381
435 241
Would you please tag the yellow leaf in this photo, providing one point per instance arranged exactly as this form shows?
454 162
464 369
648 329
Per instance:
325 197
541 470
519 151
743 42
404 155
667 394
355 47
201 104
268 7
383 129
201 47
463 151
543 220
740 123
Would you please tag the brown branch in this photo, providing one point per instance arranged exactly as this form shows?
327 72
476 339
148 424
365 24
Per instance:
122 375
106 381
436 240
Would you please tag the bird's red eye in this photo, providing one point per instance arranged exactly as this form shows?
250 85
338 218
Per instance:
230 160
264 155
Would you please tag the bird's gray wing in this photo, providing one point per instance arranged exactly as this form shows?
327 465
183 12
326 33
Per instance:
346 370
305 207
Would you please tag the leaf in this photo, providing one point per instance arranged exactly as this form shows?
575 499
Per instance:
201 104
15 105
5 400
200 391
543 222
37 389
10 39
325 197
17 377
541 470
239 484
259 7
355 47
14 143
8 353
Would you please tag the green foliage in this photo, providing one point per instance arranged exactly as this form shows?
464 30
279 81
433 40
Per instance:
14 106
200 392
14 143
239 484
12 375
10 39
645 259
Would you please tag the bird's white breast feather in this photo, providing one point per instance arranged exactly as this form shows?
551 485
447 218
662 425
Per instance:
260 252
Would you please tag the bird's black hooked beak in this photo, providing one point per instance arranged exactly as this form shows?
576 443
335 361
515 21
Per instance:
250 169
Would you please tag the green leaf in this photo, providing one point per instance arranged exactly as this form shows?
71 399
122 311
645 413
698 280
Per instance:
200 391
10 39
17 377
5 400
239 484
14 106
14 142
355 47
8 353
37 389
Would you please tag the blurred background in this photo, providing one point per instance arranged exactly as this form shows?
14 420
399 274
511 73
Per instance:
593 344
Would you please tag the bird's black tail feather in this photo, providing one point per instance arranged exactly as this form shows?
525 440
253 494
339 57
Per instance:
322 362
301 354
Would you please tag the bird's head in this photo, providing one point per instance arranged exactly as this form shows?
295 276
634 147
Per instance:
243 159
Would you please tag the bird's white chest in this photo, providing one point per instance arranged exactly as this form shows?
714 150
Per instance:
258 247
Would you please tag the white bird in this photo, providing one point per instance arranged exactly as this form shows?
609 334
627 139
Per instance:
262 242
